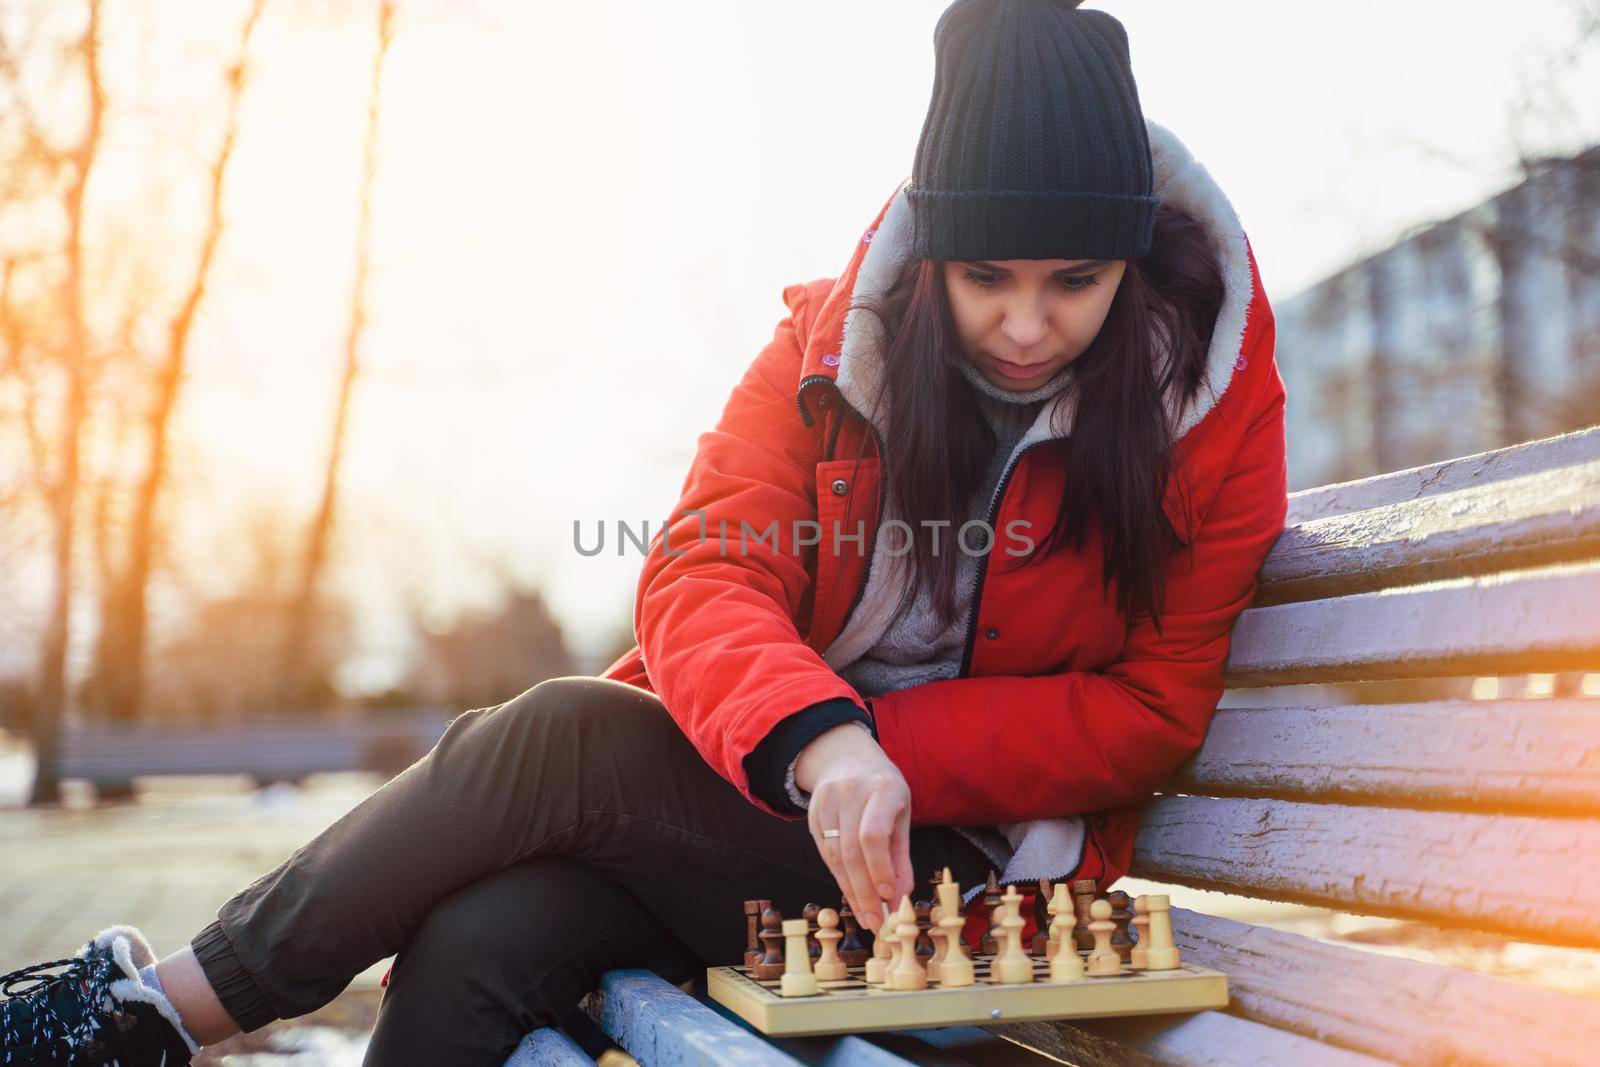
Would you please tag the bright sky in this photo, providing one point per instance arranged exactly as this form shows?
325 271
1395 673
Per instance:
587 212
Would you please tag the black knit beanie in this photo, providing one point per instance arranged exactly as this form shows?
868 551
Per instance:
1034 146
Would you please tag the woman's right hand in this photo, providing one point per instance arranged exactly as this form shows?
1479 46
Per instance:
857 790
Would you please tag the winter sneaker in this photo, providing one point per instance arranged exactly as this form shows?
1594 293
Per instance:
94 1010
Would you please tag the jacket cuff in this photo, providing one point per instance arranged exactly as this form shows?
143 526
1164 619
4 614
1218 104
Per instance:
770 765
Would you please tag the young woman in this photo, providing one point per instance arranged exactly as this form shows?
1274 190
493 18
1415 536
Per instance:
950 583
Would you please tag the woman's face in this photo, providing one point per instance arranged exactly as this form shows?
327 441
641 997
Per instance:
1021 320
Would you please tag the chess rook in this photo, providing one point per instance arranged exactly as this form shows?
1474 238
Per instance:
752 922
1141 933
1161 954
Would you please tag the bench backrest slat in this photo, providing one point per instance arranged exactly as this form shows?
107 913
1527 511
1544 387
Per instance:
1527 877
1543 518
1527 621
1481 468
1394 1009
1468 755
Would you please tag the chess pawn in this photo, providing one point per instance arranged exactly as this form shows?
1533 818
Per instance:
1041 920
1103 960
771 964
829 967
1141 933
1065 963
1161 954
989 945
883 947
853 950
810 913
1082 896
923 910
1061 917
936 934
1122 915
798 981
1013 966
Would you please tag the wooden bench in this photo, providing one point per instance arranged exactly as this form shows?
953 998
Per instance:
111 755
1458 808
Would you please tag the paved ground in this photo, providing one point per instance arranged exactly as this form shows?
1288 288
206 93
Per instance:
165 863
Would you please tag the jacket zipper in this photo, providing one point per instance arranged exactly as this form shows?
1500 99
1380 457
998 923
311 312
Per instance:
983 565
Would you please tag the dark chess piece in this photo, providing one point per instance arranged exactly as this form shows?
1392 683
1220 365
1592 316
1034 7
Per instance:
1041 919
1083 891
813 946
990 945
853 948
1123 939
752 923
771 966
924 909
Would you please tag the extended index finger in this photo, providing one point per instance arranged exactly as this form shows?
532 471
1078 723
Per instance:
879 818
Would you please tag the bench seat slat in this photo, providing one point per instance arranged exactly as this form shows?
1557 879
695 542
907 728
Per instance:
1389 1008
1536 520
1565 450
1485 755
1205 1039
548 1048
1526 877
1540 620
662 1026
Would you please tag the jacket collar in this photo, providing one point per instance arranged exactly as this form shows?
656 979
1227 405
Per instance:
846 345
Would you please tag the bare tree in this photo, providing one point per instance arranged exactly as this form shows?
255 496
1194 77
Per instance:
317 539
121 654
62 493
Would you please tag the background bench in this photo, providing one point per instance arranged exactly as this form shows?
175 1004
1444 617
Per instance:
1474 813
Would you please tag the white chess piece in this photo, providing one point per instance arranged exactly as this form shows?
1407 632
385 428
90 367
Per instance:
829 968
906 972
1162 953
1103 961
955 969
798 981
1012 966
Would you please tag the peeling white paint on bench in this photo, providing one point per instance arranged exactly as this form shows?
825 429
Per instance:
1499 755
662 1026
1582 446
548 1048
1538 620
1207 1039
1529 877
1539 519
1408 1012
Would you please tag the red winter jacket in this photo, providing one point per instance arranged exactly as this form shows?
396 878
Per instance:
1062 706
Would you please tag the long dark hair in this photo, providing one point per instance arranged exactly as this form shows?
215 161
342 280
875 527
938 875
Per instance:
1154 340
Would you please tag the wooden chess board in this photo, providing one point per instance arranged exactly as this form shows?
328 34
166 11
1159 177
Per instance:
851 1006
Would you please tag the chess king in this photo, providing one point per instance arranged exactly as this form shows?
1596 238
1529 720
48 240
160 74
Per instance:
964 548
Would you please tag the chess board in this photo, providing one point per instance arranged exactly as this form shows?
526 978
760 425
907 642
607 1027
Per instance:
852 1006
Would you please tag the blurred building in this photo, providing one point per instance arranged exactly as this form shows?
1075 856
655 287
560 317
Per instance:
1474 333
